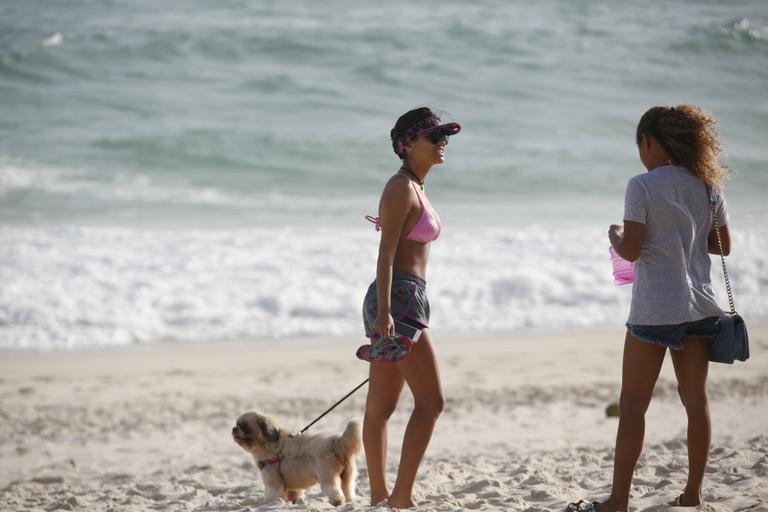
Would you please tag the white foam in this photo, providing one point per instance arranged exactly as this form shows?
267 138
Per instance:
745 27
55 39
80 287
126 187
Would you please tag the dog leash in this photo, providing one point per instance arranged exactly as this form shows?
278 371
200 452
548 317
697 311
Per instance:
333 407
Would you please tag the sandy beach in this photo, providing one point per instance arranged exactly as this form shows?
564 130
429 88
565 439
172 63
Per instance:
524 426
186 190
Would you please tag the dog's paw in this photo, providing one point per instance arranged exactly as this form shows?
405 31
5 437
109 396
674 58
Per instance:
269 498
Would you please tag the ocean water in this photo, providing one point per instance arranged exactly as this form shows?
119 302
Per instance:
174 171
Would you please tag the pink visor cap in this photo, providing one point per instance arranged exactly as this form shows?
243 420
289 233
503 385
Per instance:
430 124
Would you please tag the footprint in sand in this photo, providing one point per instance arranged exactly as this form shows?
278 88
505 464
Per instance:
539 495
539 477
474 505
48 480
517 502
491 495
760 467
478 486
217 491
438 498
589 459
71 503
180 372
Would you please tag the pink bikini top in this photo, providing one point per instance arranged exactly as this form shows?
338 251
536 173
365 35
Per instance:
427 228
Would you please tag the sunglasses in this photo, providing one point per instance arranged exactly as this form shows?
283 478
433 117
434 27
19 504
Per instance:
436 136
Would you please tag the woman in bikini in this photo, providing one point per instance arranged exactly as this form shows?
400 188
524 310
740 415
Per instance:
396 311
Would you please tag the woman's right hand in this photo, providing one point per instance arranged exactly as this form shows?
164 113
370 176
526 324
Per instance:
384 325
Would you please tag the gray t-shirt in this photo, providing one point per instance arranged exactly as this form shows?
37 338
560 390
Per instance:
672 283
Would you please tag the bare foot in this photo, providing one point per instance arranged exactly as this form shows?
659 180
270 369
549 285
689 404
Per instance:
378 500
608 506
397 503
690 501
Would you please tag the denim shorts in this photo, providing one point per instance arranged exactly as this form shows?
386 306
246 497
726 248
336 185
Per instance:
409 305
671 336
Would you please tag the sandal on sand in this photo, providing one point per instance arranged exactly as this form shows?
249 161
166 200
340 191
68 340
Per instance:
385 350
581 506
677 502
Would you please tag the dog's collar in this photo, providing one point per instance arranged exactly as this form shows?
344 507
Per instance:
268 462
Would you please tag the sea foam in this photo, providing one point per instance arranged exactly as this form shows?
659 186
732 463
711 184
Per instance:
71 288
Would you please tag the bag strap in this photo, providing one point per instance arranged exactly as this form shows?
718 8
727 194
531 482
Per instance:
713 204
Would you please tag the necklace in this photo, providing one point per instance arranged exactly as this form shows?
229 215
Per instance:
413 175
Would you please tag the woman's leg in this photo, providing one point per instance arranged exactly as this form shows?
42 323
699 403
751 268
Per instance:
384 389
419 369
640 369
691 366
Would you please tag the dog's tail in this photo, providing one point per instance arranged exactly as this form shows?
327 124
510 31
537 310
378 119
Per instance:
350 443
347 447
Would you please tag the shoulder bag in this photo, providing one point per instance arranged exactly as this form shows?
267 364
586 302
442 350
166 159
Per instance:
731 341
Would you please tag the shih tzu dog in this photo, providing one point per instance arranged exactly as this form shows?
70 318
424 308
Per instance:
290 464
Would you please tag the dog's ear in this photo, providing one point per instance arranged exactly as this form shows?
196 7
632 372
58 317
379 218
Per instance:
271 434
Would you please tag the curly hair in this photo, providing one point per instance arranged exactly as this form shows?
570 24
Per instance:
687 133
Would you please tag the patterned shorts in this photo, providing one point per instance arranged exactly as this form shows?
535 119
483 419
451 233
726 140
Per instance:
410 307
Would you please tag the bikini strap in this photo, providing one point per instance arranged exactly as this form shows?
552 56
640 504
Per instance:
375 220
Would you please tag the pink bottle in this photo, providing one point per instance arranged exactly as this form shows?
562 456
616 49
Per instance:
623 270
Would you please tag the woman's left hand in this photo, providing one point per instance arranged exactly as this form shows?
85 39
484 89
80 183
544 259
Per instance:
615 234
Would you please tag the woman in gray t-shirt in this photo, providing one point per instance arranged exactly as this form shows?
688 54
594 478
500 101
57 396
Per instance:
669 233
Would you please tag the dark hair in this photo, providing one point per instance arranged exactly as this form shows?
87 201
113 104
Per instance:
406 121
687 134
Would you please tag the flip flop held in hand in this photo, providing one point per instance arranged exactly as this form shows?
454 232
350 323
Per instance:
386 350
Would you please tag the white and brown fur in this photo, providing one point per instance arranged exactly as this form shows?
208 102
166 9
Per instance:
305 459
